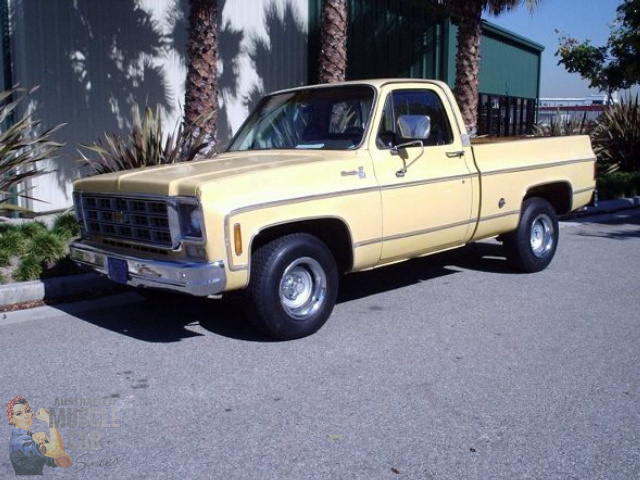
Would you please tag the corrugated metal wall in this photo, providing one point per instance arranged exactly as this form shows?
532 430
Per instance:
387 38
506 68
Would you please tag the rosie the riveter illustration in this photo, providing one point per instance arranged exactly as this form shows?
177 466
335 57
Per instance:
29 452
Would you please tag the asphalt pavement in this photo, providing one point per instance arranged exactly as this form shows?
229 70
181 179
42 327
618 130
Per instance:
450 366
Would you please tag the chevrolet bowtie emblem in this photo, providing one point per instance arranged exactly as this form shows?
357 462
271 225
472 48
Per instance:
120 217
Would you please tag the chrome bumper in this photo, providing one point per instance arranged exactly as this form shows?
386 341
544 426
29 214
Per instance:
195 278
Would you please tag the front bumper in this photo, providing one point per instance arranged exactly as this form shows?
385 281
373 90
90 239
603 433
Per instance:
195 278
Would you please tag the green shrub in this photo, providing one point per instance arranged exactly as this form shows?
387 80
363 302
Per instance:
8 227
5 258
46 246
12 243
40 252
618 185
31 229
29 268
66 226
616 138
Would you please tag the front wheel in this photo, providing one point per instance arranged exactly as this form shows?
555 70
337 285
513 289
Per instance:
293 286
532 246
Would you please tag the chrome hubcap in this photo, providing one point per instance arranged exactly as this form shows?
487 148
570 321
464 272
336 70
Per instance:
541 239
303 288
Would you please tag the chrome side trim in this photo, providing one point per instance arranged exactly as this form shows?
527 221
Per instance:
417 183
366 243
537 167
499 215
277 203
194 278
414 233
424 231
433 229
323 196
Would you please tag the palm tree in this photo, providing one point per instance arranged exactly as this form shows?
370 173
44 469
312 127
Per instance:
333 41
469 15
201 92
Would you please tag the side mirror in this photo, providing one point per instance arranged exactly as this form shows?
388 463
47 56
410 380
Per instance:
416 127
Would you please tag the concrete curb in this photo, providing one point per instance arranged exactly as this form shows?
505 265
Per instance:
52 288
73 286
610 206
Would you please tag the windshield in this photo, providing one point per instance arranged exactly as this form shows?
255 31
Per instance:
333 118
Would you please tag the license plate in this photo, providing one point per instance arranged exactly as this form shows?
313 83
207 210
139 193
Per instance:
118 271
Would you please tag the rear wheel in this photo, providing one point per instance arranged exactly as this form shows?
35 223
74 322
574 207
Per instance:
532 246
293 286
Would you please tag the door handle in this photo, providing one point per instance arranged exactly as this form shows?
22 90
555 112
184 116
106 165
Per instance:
459 153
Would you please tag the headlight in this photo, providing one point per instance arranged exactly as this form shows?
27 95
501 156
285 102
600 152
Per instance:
190 217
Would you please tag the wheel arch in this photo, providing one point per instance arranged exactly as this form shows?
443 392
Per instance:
332 231
558 194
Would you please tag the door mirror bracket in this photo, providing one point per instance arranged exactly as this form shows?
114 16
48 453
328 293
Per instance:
395 150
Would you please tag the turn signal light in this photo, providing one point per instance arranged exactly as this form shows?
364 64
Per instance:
237 238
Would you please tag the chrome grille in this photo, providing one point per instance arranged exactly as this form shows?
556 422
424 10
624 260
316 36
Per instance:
140 220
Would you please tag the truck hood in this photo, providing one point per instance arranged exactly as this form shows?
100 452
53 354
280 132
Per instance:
188 178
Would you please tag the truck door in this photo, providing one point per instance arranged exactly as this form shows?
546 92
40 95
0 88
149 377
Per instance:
426 188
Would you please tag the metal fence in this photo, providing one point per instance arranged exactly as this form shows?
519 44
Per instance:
564 114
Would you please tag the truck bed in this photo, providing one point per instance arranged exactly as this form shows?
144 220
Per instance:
485 139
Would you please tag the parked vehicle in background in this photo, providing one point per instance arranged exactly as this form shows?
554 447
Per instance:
326 180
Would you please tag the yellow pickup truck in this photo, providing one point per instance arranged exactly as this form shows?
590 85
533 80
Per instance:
326 180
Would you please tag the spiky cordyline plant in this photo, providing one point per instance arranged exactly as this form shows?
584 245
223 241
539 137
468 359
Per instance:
20 146
561 128
616 138
145 146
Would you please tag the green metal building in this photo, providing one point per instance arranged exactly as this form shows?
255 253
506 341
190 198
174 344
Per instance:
404 38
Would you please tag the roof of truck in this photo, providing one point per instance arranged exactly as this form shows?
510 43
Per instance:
377 83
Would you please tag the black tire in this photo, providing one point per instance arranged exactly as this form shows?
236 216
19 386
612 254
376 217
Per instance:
531 247
293 286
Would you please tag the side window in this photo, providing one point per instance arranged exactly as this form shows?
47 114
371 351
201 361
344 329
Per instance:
411 105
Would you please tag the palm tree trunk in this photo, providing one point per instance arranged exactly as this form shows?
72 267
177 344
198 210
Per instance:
201 90
468 62
333 41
